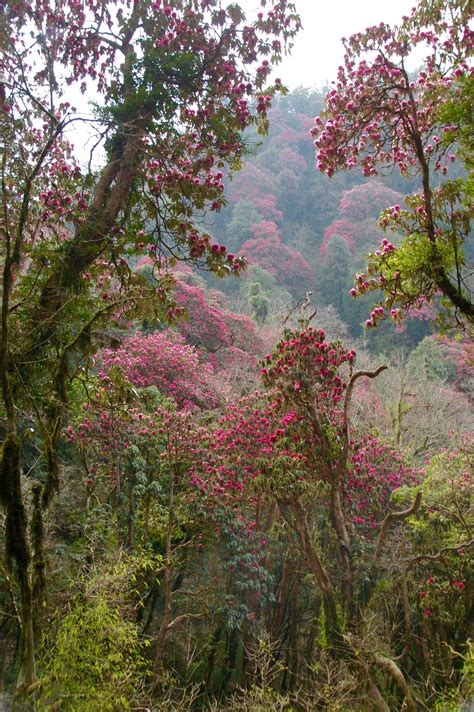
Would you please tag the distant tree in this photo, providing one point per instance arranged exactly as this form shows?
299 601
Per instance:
334 277
292 160
244 183
267 250
203 325
289 191
447 359
269 207
302 101
244 215
366 200
344 230
277 295
257 273
258 302
214 329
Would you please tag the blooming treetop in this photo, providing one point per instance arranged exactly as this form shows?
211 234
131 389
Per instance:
379 118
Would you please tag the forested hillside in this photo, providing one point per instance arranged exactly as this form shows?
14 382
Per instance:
236 362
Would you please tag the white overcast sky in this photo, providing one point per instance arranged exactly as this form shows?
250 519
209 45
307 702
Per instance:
318 51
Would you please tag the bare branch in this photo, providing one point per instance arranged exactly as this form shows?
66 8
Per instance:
399 678
439 555
389 519
351 384
347 403
183 617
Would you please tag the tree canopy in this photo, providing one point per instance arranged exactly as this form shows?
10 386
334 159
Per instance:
380 117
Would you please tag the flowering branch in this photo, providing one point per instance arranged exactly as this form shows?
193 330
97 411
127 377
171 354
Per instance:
406 602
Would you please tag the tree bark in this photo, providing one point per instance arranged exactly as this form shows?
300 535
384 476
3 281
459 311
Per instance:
345 548
167 589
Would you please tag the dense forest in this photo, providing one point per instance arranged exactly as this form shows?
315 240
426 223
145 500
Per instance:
236 362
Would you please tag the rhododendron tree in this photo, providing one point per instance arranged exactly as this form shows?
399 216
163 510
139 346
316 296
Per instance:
162 359
293 161
204 326
267 207
266 249
174 86
294 443
343 229
139 461
366 200
141 455
228 342
380 118
375 471
243 185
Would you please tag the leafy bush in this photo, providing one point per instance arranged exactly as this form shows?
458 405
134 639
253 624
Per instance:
93 661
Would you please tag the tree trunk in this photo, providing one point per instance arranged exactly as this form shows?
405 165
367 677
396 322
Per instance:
167 590
301 526
130 516
345 548
281 603
293 636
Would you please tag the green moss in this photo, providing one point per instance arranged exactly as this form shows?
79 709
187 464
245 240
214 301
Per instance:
16 542
323 637
37 544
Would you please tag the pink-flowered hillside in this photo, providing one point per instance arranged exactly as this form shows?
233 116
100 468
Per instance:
267 250
163 359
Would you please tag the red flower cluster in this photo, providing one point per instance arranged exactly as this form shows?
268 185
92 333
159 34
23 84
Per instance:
304 362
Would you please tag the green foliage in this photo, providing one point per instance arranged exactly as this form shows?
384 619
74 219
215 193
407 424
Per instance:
323 638
95 662
464 692
458 111
93 659
428 357
268 300
446 495
244 215
258 302
334 282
